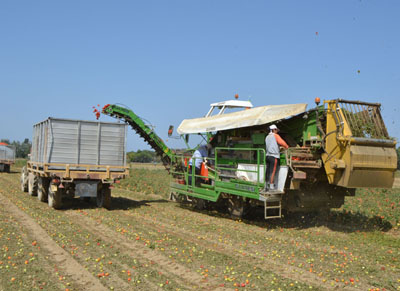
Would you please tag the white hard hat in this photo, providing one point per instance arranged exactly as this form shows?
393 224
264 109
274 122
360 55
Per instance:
273 126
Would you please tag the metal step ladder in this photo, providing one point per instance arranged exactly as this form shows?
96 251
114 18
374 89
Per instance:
272 202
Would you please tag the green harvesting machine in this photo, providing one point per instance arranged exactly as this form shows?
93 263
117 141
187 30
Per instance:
334 148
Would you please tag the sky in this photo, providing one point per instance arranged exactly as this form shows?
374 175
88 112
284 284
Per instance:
168 60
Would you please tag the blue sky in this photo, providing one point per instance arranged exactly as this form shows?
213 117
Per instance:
168 60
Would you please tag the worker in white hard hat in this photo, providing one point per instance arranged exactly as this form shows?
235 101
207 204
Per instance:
272 143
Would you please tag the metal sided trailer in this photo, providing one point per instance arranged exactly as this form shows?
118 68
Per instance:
7 157
75 158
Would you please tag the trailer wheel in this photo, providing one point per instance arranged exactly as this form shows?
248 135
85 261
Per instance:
43 189
107 197
7 168
103 198
24 179
32 184
54 196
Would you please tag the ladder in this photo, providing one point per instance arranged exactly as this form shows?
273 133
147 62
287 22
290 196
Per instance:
272 203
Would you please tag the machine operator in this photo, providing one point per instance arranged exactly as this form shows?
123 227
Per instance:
272 143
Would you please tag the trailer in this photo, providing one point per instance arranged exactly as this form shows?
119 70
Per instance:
7 157
334 148
75 158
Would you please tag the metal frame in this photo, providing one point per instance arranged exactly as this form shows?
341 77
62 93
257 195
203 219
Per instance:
231 185
75 171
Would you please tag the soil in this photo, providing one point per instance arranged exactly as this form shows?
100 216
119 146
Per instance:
56 254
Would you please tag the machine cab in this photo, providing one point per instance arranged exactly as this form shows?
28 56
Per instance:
230 104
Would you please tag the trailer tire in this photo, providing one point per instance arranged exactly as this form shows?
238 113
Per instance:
43 189
103 198
107 198
32 184
54 197
24 179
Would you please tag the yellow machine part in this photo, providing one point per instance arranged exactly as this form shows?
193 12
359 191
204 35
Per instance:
356 162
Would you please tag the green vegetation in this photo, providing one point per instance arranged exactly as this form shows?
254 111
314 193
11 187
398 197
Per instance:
20 162
147 181
144 156
146 242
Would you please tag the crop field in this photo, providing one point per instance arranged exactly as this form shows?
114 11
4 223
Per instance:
146 242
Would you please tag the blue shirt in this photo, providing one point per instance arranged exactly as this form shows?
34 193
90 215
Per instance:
199 154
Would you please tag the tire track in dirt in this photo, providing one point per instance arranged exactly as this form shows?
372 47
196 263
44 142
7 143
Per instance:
42 256
59 256
283 270
185 234
112 279
263 232
109 235
170 267
286 271
187 277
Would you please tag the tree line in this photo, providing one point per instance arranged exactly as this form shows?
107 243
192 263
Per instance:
22 149
144 156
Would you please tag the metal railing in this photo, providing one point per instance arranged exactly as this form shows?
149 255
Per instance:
257 157
217 169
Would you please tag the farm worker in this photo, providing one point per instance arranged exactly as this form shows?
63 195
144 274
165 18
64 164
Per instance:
198 157
272 143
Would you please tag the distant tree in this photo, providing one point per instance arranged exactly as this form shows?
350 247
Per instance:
140 156
4 140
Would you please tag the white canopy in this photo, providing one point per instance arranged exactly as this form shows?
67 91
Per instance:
249 117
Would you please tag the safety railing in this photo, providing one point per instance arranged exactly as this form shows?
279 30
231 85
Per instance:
217 169
248 161
184 171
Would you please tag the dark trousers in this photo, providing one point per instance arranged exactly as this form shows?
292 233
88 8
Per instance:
196 172
272 169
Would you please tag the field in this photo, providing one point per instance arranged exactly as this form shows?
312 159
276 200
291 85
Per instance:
146 242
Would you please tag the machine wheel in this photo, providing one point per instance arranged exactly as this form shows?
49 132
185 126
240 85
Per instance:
32 184
236 206
43 189
24 179
103 198
7 168
198 203
172 197
54 196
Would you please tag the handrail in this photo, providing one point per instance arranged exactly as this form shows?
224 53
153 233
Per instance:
260 157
